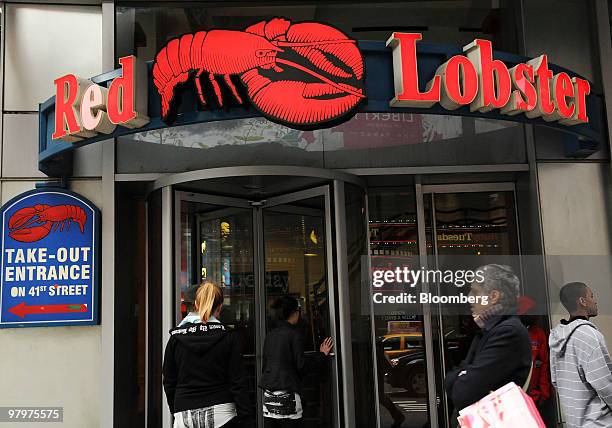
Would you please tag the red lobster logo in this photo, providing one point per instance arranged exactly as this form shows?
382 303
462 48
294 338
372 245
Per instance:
301 75
32 224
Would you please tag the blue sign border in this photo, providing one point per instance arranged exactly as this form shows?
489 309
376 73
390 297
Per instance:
97 247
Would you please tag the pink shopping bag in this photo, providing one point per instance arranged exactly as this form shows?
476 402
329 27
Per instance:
507 407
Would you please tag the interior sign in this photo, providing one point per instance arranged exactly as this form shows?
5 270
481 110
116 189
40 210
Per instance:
84 109
485 84
49 260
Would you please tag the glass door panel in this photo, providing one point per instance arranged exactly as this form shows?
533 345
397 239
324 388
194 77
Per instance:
216 245
399 328
258 252
295 264
465 230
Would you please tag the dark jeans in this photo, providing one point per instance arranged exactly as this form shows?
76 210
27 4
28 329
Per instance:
282 423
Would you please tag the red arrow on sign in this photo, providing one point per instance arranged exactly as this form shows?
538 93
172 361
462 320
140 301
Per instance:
21 310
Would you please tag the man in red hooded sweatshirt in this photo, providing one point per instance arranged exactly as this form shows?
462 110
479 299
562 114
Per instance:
539 387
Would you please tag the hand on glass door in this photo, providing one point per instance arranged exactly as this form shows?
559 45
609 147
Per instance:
327 346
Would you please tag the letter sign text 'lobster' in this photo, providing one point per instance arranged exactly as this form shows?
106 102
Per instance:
305 75
486 84
84 109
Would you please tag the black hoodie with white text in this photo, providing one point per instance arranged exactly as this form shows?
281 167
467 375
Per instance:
203 367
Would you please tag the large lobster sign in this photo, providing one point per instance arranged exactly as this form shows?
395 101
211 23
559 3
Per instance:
304 75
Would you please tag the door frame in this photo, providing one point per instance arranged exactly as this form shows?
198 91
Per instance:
330 264
165 184
171 305
336 246
423 191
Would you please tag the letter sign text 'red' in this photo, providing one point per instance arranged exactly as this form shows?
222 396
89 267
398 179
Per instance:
84 109
485 84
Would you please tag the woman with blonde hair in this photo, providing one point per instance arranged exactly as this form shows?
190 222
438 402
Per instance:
204 379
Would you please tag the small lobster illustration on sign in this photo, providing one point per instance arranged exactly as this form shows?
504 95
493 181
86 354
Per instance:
302 75
33 223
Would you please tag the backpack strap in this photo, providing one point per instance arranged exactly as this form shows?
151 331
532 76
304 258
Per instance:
528 381
564 347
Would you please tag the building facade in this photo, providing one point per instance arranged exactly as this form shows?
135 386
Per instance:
265 209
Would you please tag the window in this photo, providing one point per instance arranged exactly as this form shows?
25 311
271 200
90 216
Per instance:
392 344
143 30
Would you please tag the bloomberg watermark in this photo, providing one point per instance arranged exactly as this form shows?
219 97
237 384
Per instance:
411 278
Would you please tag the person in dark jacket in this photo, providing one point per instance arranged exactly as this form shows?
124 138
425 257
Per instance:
284 366
203 376
501 351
